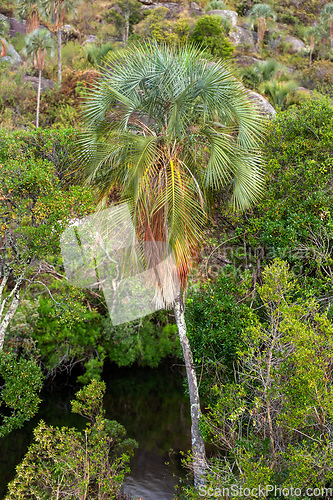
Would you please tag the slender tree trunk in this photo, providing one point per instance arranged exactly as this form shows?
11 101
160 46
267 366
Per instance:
198 445
38 96
8 316
310 59
59 56
126 27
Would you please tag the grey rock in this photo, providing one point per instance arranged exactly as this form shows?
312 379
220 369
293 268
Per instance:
146 2
12 56
69 33
296 44
230 14
239 36
246 60
264 107
16 27
173 7
91 39
16 58
33 80
194 6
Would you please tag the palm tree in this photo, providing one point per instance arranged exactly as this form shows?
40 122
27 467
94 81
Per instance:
96 53
167 128
56 11
278 92
326 20
260 13
260 72
312 35
30 10
37 44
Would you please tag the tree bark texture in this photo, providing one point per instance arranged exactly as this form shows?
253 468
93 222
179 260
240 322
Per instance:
198 445
59 56
38 96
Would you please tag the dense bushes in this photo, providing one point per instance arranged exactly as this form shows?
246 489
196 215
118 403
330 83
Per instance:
65 463
216 316
208 33
273 419
293 219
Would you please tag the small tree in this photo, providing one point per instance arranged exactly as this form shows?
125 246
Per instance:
56 11
19 394
65 463
37 44
261 12
312 35
326 20
34 209
208 33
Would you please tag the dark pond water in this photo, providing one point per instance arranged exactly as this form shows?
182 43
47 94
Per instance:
151 405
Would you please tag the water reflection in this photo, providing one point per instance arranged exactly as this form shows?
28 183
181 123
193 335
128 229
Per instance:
151 405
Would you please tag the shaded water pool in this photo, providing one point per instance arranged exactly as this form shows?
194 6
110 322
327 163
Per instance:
151 405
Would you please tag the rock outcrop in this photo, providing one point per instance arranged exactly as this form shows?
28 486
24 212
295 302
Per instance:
12 56
230 14
69 33
33 80
296 45
241 36
91 39
264 107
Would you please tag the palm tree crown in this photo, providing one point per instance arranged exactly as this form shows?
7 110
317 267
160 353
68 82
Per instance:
30 10
37 44
168 128
326 19
262 10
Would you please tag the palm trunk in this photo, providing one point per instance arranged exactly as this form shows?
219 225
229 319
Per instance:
198 445
38 96
126 27
59 56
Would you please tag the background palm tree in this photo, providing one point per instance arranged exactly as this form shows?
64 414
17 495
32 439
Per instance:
312 35
261 12
260 72
29 10
279 92
326 20
167 128
56 11
37 44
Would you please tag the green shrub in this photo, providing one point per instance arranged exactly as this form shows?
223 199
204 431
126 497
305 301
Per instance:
65 463
208 34
320 77
19 393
